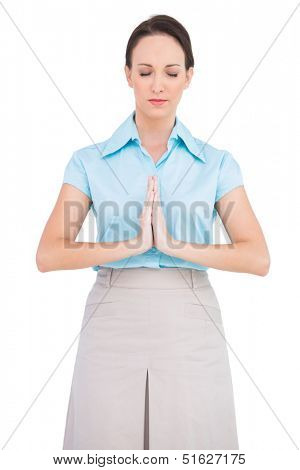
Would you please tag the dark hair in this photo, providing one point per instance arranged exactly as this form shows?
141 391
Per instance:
161 24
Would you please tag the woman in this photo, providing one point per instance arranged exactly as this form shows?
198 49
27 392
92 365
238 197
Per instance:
152 368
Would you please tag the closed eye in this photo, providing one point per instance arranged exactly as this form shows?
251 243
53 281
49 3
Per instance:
170 74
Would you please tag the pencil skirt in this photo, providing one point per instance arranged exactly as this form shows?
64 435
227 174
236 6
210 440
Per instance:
152 368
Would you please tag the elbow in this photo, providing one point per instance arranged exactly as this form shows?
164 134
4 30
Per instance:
41 263
48 257
257 259
263 265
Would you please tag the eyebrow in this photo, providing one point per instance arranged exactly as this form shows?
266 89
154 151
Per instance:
169 65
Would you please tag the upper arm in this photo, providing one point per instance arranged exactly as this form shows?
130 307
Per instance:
71 208
238 217
66 218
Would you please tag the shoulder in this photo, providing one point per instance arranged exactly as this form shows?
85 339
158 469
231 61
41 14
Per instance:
90 151
214 156
89 155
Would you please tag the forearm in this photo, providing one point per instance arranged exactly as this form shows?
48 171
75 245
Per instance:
245 257
66 254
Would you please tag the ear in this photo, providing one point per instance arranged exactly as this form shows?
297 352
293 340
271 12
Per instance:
189 76
128 76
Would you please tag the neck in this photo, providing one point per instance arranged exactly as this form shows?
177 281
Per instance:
154 132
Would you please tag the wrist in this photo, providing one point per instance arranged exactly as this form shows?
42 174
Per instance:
137 247
170 246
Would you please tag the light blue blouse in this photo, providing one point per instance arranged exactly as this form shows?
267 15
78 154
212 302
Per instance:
192 176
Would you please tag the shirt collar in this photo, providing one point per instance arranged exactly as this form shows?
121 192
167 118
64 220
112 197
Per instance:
128 131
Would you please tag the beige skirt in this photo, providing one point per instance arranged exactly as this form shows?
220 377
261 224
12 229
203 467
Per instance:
152 368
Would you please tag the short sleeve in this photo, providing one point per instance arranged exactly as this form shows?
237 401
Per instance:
230 176
75 174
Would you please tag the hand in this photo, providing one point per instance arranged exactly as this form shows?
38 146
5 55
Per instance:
144 241
162 238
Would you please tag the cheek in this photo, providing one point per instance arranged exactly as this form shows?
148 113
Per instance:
176 94
177 88
140 83
139 89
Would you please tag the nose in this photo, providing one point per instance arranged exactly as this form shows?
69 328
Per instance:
157 85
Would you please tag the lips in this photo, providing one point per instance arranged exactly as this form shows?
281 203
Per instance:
157 103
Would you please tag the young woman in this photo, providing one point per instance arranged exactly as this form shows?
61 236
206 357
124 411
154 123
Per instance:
152 368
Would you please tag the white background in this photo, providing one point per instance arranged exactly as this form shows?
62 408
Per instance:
81 46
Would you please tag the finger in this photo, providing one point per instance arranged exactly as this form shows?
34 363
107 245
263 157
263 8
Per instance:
145 208
150 195
149 188
157 190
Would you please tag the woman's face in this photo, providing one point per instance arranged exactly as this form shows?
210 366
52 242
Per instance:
163 77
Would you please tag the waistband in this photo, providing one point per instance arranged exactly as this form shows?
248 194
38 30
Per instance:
157 278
